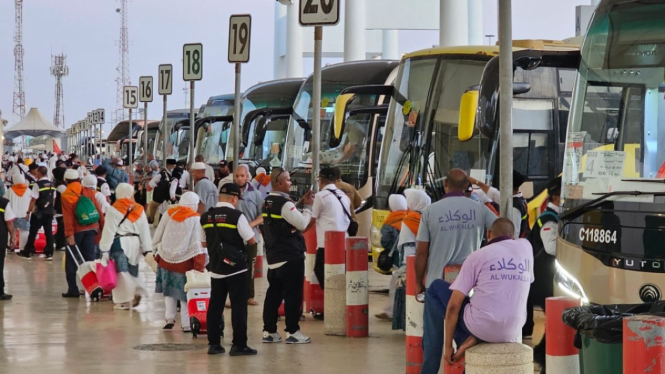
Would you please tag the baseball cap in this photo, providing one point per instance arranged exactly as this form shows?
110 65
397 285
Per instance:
223 163
518 179
554 187
198 166
328 173
231 189
170 161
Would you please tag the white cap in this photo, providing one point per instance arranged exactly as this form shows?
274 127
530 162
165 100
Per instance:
89 181
120 162
260 170
198 166
72 174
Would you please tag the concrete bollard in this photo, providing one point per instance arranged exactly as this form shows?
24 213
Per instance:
313 294
334 295
499 358
357 288
561 355
414 321
643 344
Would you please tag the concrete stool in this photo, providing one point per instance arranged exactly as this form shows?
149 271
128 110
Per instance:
499 358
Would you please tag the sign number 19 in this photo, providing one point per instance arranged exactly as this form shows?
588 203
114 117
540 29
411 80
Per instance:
240 31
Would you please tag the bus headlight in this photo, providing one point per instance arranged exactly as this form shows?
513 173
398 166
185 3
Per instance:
375 236
568 283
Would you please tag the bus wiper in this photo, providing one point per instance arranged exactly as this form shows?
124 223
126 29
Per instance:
578 211
645 180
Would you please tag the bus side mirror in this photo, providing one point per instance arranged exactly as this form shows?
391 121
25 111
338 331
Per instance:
467 115
341 104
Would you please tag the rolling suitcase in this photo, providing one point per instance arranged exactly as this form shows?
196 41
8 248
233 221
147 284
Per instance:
86 274
198 300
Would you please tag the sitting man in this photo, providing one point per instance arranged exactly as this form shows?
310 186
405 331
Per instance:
500 275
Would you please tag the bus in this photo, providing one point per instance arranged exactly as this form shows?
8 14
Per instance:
266 112
444 114
350 150
172 117
207 132
612 226
120 135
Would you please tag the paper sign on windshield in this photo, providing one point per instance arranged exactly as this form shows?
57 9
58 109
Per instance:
604 164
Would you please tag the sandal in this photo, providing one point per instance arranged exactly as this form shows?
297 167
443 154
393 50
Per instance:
169 324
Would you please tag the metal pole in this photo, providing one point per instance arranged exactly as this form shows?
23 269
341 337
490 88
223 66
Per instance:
131 139
164 132
145 133
316 106
506 106
192 144
236 121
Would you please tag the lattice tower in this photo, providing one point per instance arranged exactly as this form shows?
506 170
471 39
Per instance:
59 69
19 93
123 62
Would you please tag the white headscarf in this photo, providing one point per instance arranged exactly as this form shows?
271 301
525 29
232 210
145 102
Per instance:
397 202
89 181
417 200
124 191
18 178
190 200
260 171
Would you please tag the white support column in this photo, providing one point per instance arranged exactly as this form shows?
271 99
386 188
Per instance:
475 22
354 30
453 23
293 42
279 62
390 47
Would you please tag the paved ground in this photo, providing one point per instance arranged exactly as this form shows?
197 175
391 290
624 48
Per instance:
44 333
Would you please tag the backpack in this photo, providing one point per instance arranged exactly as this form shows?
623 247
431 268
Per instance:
162 190
86 212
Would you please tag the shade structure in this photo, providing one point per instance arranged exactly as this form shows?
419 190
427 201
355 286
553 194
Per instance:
34 124
37 146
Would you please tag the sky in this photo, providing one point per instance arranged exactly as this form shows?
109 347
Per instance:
88 31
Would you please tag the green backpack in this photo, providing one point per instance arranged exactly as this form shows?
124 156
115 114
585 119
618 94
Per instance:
86 212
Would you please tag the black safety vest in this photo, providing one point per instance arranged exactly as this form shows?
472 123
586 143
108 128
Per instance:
543 263
45 203
226 247
283 241
100 183
520 204
162 191
4 231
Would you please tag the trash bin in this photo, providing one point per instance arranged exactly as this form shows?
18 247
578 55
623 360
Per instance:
600 333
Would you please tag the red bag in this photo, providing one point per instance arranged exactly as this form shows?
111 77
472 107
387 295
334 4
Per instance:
107 276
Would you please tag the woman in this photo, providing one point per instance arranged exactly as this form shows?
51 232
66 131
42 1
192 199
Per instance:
126 236
416 201
177 247
390 230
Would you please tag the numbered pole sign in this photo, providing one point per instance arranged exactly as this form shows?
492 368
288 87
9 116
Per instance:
240 31
192 62
90 117
319 12
145 89
165 79
101 116
130 97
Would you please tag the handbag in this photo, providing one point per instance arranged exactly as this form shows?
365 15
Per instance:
106 275
352 230
197 279
386 258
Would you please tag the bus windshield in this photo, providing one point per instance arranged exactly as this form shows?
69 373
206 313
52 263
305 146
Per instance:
214 142
421 134
618 115
268 133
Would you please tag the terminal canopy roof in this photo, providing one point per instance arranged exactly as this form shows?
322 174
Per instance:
34 124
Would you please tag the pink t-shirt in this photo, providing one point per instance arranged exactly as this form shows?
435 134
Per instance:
500 275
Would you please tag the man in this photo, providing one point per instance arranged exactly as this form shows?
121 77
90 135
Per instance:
520 216
20 198
139 187
138 172
543 239
224 173
204 188
450 230
250 206
102 184
7 235
86 237
350 191
183 175
224 232
330 212
165 187
43 215
285 252
210 172
499 274
60 187
115 173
